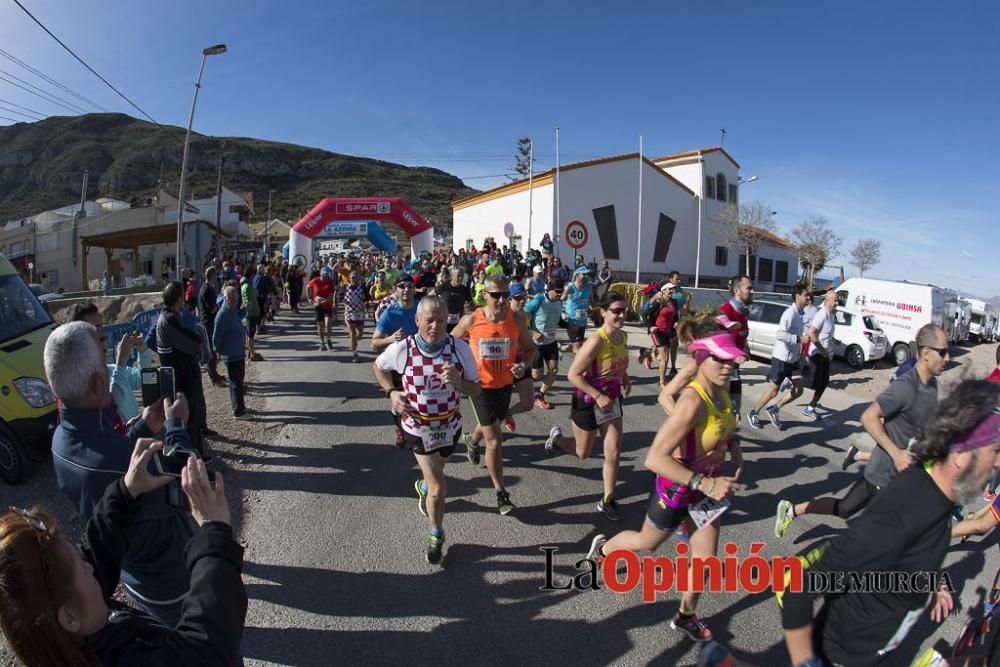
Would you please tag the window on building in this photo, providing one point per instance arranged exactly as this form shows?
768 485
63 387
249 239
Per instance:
709 187
752 272
781 272
765 270
720 186
721 255
53 279
147 267
47 242
15 248
733 194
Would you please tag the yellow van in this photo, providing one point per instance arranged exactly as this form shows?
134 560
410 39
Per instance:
28 412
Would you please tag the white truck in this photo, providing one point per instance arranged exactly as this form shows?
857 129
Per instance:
978 323
900 307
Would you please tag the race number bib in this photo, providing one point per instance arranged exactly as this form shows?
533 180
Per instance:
707 510
494 349
452 318
435 436
581 313
603 417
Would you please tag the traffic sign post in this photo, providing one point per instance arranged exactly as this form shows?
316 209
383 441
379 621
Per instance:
508 231
576 236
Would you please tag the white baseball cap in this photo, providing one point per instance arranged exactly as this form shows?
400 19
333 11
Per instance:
537 269
667 286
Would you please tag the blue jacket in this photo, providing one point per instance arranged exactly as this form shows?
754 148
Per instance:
229 337
88 455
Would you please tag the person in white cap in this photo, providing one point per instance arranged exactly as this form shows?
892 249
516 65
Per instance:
576 306
536 284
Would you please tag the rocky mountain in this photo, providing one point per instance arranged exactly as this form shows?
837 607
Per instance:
41 167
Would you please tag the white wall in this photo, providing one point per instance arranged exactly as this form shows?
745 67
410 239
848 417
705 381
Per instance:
689 172
488 218
617 183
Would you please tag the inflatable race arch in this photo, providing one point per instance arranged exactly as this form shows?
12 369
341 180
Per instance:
330 209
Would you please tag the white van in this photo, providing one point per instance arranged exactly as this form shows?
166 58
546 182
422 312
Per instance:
978 324
901 308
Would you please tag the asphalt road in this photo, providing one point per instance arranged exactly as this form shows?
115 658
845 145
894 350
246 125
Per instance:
334 562
335 543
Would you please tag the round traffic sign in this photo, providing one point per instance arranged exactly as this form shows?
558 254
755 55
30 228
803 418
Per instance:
576 234
508 230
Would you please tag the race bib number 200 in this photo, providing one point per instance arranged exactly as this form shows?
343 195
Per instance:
494 349
435 436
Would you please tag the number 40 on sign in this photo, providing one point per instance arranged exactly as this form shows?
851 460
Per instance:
576 234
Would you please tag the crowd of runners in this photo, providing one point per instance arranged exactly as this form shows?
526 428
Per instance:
484 325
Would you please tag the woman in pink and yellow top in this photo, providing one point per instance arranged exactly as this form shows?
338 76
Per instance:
600 375
687 456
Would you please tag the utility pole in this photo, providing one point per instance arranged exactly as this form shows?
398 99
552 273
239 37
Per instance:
267 224
218 211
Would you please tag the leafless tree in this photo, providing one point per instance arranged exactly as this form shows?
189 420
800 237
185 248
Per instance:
865 254
745 226
818 244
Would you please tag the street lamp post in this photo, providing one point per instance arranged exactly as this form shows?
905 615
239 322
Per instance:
205 53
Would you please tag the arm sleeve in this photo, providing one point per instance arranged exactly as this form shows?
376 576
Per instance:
181 338
872 543
784 333
105 538
895 398
220 329
817 320
470 371
121 381
214 610
393 357
382 326
138 430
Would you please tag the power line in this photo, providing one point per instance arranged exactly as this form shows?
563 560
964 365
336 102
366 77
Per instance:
13 120
31 69
51 101
37 113
82 62
20 113
31 85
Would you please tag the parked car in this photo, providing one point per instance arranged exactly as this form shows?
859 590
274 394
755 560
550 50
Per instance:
43 293
857 338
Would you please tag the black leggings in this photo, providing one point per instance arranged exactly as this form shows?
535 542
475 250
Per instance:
859 495
821 377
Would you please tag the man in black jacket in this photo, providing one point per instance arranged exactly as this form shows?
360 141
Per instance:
180 348
208 308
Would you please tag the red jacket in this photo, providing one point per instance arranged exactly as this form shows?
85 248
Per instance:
743 332
665 318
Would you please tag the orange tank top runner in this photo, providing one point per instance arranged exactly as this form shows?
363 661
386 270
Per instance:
495 347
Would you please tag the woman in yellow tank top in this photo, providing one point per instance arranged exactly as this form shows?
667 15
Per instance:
687 456
600 375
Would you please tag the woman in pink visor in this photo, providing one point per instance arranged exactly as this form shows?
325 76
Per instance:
687 456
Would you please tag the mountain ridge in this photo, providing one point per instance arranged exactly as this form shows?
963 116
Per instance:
42 164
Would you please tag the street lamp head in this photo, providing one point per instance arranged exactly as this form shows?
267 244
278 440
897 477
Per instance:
214 50
744 181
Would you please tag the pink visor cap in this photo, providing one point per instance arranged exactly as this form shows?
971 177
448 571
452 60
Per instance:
721 345
726 323
985 434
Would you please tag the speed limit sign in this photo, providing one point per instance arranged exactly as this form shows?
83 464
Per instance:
576 234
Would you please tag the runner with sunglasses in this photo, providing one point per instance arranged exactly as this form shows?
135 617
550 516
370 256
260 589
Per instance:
496 338
895 421
687 456
525 385
600 375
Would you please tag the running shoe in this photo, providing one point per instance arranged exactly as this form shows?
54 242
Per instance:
400 438
610 509
772 414
256 357
754 420
434 546
354 357
421 496
471 448
810 411
550 444
785 385
692 627
850 456
682 532
989 495
595 549
504 504
509 424
541 403
322 346
714 654
783 518
930 658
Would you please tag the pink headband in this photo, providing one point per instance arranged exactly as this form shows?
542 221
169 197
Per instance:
986 433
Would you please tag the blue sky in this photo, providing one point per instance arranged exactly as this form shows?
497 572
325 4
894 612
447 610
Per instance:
881 117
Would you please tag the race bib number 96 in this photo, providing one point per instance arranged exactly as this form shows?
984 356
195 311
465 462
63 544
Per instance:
494 349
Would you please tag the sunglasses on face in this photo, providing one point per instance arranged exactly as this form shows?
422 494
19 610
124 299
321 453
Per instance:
720 360
499 295
616 311
404 285
943 351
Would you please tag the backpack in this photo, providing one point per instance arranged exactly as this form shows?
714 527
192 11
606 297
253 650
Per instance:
650 311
